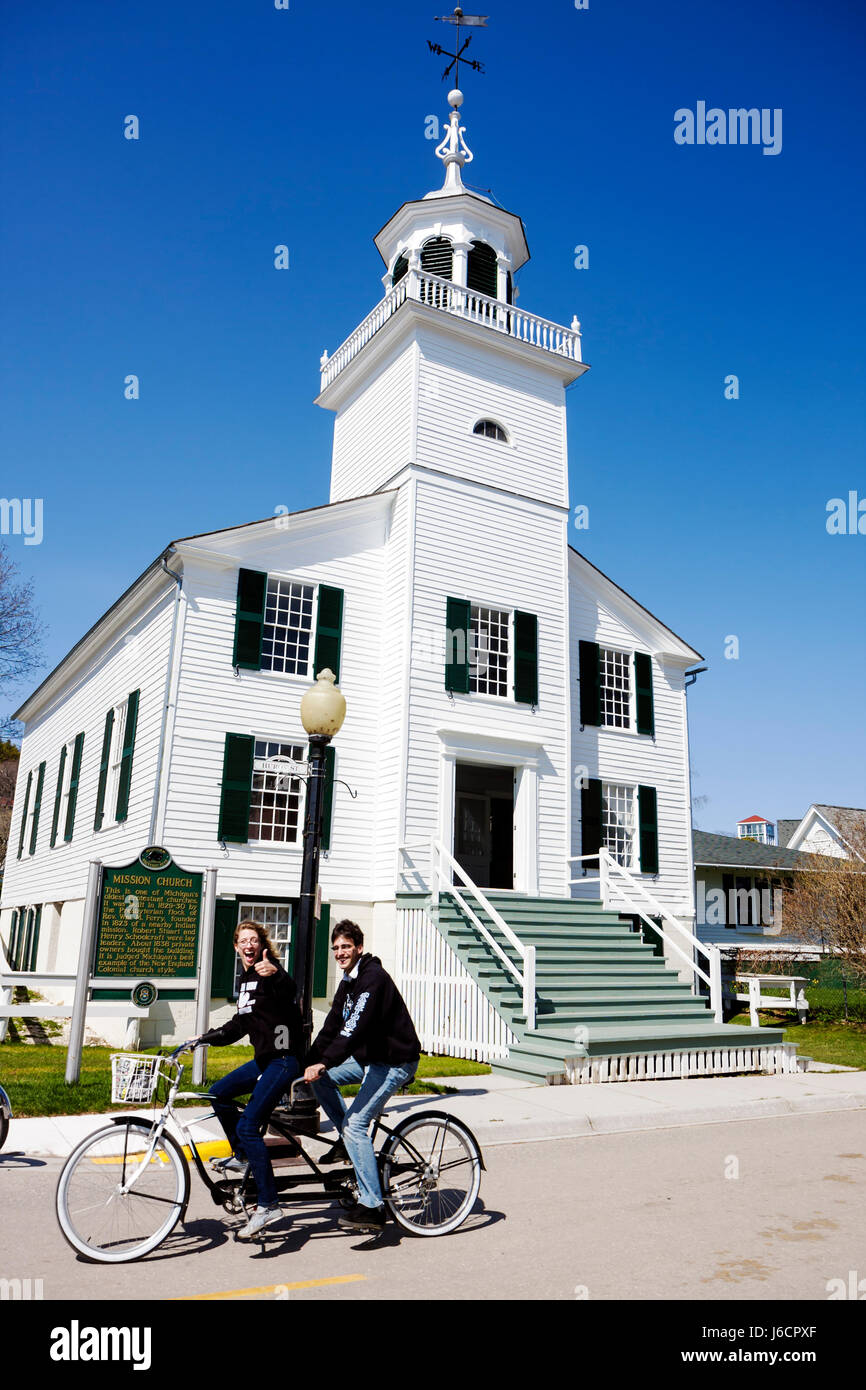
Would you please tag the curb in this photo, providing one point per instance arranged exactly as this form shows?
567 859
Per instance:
490 1135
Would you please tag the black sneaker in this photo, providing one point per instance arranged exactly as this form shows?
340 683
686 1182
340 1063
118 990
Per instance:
359 1218
336 1154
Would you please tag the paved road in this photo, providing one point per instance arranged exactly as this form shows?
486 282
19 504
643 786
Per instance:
751 1210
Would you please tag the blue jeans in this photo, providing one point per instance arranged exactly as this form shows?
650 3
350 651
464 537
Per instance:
245 1133
378 1082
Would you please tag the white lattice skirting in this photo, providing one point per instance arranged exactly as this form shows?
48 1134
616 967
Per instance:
451 1015
666 1066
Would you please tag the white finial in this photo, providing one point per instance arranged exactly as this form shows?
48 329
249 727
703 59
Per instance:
453 151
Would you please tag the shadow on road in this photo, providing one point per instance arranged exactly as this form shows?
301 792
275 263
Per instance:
312 1225
20 1160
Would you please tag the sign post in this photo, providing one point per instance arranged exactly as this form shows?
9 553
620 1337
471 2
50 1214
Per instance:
205 961
82 982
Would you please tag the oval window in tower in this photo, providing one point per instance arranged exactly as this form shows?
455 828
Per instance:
490 429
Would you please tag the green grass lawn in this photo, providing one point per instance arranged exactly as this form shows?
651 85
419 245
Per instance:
841 1043
34 1077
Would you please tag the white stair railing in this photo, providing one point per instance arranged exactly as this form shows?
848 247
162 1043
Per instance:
620 891
443 867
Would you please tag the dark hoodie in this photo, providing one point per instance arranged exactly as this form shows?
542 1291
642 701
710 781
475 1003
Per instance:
268 1013
368 1021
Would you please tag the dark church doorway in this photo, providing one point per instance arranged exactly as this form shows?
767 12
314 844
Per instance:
484 824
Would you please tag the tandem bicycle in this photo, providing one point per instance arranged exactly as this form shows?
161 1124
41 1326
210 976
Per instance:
125 1187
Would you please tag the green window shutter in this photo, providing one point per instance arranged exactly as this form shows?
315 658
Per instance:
648 829
99 815
237 785
328 796
526 658
24 941
33 950
590 818
322 953
58 796
329 631
590 684
458 621
37 807
223 959
643 684
730 902
125 777
13 938
73 786
23 825
250 620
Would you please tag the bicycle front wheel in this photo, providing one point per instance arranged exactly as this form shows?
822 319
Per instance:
114 1203
431 1173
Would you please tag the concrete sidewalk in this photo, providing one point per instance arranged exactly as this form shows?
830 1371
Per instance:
500 1111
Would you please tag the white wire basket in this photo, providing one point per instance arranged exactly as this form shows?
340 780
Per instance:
133 1077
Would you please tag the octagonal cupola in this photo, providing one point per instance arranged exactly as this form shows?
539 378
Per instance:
452 233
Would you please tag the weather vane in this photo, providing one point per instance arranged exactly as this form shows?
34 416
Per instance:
461 20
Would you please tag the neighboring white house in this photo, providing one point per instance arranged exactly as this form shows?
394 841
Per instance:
504 696
825 830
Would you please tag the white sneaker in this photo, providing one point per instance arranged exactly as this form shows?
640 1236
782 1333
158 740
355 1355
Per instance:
261 1217
230 1165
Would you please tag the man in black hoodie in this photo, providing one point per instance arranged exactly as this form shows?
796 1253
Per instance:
369 1037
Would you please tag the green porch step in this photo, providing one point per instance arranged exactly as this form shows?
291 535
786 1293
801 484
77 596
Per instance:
593 971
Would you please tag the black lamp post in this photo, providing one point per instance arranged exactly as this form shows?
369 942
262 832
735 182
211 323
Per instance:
323 709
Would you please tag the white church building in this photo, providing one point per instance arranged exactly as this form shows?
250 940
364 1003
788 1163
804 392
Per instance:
510 707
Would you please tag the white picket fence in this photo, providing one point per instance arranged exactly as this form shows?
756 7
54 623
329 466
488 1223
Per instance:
452 1016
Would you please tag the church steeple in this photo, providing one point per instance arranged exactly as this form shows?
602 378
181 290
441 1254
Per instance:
446 357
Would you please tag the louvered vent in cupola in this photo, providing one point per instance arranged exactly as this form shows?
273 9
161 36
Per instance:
401 265
481 269
436 257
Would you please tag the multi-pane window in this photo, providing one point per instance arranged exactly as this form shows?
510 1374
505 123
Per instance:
288 627
277 917
488 651
489 429
275 804
618 822
615 688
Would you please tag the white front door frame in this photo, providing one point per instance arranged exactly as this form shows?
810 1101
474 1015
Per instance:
465 745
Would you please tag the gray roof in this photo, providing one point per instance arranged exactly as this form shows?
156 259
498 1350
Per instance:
784 830
844 818
727 851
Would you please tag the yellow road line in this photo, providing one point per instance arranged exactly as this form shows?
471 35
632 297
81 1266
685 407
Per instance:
271 1288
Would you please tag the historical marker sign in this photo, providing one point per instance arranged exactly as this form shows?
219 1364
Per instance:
148 919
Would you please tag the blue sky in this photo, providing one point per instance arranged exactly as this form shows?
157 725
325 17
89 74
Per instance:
306 127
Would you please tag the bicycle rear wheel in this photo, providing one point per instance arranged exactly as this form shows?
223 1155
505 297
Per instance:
99 1219
431 1173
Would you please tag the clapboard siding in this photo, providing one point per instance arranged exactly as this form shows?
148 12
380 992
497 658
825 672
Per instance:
373 432
214 701
616 755
135 658
508 553
458 386
392 681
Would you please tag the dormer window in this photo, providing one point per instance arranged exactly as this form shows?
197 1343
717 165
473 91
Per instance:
489 429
